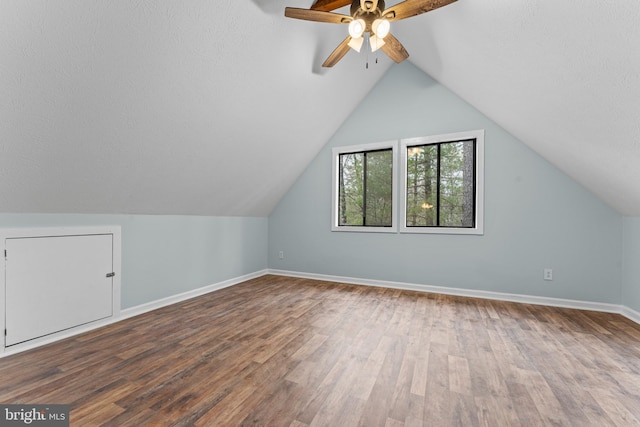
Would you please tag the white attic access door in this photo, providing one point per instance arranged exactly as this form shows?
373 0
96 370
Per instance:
58 279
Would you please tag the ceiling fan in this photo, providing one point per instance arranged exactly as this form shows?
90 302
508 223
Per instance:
367 16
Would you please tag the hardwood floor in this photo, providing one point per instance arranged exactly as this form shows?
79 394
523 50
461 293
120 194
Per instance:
279 351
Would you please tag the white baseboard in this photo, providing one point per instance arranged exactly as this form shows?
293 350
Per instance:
39 342
501 296
630 314
173 299
153 305
127 313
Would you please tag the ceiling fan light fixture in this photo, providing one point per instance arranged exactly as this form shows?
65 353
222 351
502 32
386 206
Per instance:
356 43
356 28
365 16
381 28
375 42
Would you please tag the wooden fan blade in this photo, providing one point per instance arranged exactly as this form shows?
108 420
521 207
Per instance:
338 53
394 49
409 8
317 15
329 5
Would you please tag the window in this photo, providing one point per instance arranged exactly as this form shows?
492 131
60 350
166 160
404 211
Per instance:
443 184
364 188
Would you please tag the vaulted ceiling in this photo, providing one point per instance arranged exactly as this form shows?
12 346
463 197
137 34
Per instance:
215 107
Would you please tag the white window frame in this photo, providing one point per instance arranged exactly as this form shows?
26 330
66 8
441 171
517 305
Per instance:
335 153
478 135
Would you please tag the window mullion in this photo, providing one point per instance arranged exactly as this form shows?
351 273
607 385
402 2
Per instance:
364 190
438 187
340 189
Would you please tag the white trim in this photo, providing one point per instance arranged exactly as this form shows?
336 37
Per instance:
174 299
117 268
129 312
154 305
500 296
38 342
630 314
335 152
478 135
15 233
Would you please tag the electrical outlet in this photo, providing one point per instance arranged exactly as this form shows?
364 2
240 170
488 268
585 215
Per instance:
548 274
281 255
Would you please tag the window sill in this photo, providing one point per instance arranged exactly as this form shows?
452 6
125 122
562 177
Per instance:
365 229
478 231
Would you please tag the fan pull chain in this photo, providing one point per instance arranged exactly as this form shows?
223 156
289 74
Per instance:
368 48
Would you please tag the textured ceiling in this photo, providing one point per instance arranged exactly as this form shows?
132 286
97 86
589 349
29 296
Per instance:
215 107
562 76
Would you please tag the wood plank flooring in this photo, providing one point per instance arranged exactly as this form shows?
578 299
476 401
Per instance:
279 351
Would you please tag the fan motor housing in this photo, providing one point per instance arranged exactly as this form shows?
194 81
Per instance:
360 12
367 15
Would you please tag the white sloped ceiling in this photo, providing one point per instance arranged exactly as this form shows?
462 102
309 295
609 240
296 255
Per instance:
163 107
215 107
562 76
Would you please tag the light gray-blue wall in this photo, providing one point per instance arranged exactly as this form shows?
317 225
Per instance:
631 263
164 256
535 215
